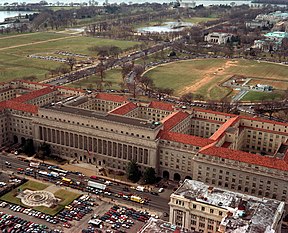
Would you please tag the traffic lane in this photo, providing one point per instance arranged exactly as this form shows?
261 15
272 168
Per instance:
154 200
15 163
155 203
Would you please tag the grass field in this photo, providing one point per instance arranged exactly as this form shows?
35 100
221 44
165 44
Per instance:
65 196
29 38
113 76
14 62
204 76
198 19
259 96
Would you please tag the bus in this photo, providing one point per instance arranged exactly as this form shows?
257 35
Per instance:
60 171
34 164
66 181
44 174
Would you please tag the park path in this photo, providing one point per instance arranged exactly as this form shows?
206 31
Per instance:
52 188
209 75
37 42
20 35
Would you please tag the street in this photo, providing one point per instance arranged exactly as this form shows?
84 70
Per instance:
158 203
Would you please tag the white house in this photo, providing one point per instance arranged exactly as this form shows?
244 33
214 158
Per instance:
217 37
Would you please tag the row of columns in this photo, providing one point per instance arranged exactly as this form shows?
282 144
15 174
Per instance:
96 145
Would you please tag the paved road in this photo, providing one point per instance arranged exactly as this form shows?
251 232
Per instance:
158 203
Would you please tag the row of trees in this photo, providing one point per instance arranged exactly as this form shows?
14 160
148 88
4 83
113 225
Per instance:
134 174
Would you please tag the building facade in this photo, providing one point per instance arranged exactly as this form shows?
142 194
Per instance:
218 38
239 153
203 208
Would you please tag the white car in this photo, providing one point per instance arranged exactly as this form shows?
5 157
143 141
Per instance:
160 190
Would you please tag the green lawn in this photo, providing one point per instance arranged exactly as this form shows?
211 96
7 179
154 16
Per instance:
198 19
182 74
65 196
14 62
261 70
29 38
113 76
259 96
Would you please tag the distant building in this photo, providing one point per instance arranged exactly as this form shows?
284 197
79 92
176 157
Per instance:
257 24
261 87
276 35
203 208
281 26
273 17
271 41
187 3
217 38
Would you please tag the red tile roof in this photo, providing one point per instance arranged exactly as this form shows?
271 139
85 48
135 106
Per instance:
214 112
263 120
124 109
185 139
111 97
33 95
230 122
70 88
245 157
161 106
173 119
36 83
48 85
10 104
285 158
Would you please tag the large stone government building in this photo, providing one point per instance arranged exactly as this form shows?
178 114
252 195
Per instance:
238 153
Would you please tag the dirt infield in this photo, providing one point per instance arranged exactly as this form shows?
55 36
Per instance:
208 77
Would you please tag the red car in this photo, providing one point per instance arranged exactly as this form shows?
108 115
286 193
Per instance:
67 225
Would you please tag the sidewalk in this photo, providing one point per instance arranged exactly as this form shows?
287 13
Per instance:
92 170
84 168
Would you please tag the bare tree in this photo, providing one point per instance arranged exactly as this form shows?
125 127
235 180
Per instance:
148 84
188 97
126 69
71 61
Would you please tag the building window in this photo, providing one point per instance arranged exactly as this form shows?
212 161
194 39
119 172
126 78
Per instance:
193 222
201 225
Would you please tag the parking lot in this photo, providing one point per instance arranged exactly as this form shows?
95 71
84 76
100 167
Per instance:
116 218
76 215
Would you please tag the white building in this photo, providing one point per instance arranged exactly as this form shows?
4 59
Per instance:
273 17
217 37
257 24
197 206
187 3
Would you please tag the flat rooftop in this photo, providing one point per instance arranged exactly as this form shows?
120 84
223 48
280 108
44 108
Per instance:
280 35
103 116
160 226
249 214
